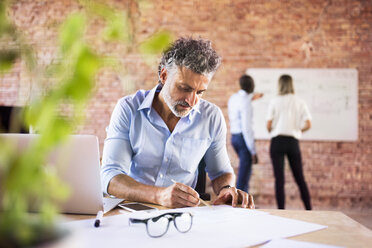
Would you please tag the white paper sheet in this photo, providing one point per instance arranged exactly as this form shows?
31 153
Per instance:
287 243
221 226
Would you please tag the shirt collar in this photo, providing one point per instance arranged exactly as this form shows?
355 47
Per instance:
194 111
242 92
147 102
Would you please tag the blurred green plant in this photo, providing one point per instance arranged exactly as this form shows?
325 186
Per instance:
155 44
23 176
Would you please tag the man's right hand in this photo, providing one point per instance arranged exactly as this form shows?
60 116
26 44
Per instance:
254 159
178 195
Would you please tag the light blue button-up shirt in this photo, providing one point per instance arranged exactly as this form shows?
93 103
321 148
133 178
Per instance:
241 117
139 143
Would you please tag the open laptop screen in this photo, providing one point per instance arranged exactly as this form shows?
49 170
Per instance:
76 163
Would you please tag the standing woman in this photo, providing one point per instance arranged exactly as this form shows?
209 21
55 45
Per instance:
287 118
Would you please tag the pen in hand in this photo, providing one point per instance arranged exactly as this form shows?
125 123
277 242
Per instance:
204 202
98 219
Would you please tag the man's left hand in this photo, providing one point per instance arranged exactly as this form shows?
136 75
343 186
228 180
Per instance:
234 196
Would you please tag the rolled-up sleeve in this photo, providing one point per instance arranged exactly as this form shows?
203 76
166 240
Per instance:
216 158
117 151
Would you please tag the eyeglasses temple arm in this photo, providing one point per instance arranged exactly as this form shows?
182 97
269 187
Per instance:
133 220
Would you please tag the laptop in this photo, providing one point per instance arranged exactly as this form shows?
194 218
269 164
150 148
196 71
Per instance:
77 164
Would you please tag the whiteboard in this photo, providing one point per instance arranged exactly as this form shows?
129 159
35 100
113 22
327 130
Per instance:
331 95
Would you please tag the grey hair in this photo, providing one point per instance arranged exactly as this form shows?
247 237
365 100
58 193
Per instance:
196 55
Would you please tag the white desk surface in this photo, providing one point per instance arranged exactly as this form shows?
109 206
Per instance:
341 231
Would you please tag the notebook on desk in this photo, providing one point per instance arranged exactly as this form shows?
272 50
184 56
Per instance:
77 164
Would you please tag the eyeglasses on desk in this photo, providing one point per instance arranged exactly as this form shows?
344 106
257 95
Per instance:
159 225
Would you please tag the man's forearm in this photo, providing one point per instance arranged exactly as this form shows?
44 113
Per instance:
223 180
123 186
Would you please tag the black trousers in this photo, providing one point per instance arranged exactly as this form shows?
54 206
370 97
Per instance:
280 147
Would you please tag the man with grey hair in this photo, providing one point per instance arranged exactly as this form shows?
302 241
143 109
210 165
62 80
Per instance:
156 138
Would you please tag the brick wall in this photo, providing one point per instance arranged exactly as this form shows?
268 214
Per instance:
255 33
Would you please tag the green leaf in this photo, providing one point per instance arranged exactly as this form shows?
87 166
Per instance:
87 64
99 9
117 28
156 43
71 31
4 24
79 86
7 59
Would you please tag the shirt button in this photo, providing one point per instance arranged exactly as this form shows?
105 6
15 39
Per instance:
166 159
161 175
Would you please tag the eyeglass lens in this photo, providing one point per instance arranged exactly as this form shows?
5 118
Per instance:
157 227
183 222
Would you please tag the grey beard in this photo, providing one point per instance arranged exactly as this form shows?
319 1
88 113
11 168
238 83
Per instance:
172 104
